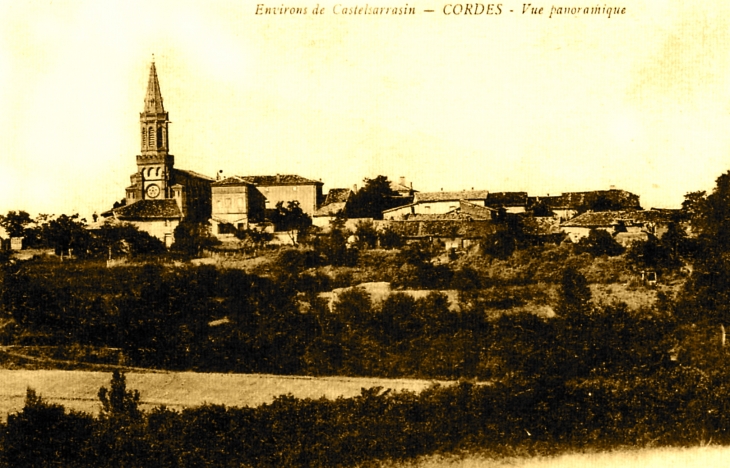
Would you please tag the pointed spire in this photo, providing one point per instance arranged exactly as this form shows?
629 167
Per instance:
153 98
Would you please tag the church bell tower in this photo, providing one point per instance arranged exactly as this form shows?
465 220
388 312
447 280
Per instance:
154 164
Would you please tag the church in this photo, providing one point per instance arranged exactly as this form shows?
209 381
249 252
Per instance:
160 195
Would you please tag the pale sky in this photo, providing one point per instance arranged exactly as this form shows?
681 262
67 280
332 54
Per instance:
502 103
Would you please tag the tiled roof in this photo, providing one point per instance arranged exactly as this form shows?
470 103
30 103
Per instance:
422 197
623 198
330 209
338 195
280 179
232 180
450 216
193 174
507 199
475 211
145 209
610 218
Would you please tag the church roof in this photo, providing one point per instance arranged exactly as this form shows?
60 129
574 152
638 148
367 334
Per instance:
193 174
146 209
153 98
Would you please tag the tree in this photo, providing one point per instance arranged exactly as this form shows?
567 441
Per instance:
116 239
575 295
118 401
600 242
390 238
15 223
43 434
366 234
290 218
372 199
192 238
253 238
65 234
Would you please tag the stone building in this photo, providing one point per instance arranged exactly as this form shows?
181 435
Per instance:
160 195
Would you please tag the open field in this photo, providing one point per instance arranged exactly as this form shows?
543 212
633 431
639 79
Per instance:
78 389
706 457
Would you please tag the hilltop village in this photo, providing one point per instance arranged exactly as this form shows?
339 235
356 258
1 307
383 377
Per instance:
161 196
551 324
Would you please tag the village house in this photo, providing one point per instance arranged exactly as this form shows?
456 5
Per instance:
569 204
436 203
335 204
288 187
512 202
451 230
236 204
625 226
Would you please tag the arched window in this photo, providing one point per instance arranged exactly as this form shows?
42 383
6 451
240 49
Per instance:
159 137
149 172
157 172
151 137
144 138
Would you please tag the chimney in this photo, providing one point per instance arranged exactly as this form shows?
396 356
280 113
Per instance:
612 187
354 188
278 178
402 180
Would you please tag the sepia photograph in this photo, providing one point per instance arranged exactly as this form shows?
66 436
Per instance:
347 233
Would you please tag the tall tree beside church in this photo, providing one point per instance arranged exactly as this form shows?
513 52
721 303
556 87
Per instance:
374 197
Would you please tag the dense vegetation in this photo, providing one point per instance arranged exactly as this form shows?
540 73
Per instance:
587 375
681 406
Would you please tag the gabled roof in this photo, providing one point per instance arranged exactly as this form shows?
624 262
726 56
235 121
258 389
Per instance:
330 209
424 197
475 211
507 199
279 179
338 195
149 209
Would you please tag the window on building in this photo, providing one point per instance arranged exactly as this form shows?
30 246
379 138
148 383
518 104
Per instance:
144 138
159 138
151 137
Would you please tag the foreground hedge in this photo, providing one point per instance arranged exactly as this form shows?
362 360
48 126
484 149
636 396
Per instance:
680 406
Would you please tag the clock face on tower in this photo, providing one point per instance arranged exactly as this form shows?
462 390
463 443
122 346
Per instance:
153 191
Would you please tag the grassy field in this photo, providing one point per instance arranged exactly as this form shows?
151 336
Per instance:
706 457
78 389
